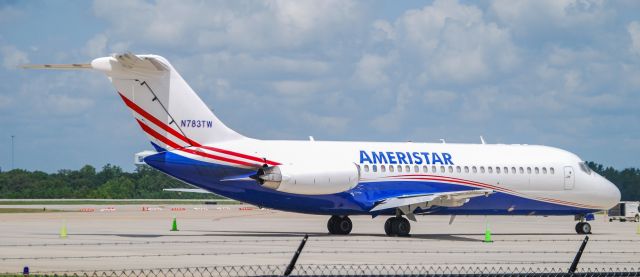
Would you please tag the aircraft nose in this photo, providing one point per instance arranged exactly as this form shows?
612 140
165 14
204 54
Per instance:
611 193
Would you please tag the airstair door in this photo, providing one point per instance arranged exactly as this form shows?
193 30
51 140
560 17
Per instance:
569 178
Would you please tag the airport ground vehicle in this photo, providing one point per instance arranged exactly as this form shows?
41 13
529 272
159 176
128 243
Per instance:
625 211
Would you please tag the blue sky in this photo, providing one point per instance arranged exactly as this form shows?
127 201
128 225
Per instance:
564 73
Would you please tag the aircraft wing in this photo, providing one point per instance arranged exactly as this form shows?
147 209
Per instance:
408 204
188 190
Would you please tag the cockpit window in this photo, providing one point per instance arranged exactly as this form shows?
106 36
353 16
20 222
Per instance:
585 168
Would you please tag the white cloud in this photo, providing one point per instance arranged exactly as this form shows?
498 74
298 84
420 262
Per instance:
96 46
295 88
634 32
13 57
548 19
326 124
370 70
254 25
60 104
454 43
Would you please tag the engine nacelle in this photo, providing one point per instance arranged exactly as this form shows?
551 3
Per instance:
309 180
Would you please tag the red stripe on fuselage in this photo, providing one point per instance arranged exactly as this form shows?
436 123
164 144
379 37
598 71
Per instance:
178 135
167 141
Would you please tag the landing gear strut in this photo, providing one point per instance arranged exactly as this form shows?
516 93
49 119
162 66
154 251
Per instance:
397 226
583 228
339 225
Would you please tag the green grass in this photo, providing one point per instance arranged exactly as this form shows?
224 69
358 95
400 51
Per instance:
27 210
115 202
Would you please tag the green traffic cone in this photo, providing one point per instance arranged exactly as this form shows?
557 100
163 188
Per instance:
63 230
174 226
487 235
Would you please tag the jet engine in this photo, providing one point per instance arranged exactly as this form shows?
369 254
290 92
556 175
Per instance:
308 179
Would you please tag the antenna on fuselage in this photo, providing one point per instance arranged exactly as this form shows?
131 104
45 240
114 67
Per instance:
443 141
482 140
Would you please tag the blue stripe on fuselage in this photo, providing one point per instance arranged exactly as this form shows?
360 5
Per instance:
358 200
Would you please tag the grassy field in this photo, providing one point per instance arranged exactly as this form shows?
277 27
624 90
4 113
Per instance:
114 201
27 210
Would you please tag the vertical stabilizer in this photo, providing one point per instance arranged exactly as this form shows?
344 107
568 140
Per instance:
165 106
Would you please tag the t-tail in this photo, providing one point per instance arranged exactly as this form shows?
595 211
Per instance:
164 105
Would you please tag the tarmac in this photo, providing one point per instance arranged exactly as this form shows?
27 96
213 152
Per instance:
139 237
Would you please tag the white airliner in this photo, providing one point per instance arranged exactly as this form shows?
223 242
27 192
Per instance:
340 179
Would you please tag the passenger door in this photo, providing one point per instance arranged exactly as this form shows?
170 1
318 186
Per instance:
569 178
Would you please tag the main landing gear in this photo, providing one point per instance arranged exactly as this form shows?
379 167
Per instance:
339 225
394 226
397 226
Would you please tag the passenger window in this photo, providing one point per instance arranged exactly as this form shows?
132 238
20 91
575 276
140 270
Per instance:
433 169
399 168
553 171
482 169
475 169
521 170
528 170
391 168
466 169
416 169
544 170
407 168
374 168
513 170
497 170
506 170
442 169
383 168
425 169
366 168
490 169
458 169
537 170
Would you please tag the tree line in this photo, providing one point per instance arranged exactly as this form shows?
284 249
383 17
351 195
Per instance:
111 182
627 180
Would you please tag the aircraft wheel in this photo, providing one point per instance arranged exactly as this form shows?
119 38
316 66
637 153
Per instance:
339 225
397 226
387 226
344 226
331 224
583 228
637 218
401 227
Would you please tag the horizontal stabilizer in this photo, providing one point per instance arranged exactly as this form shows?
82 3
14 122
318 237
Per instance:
71 66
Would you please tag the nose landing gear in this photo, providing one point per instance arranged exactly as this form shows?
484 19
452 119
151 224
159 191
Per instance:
339 225
583 228
397 226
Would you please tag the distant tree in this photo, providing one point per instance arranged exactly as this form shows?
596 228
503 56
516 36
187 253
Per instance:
627 180
110 183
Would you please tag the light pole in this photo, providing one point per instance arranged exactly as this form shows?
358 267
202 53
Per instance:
13 166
